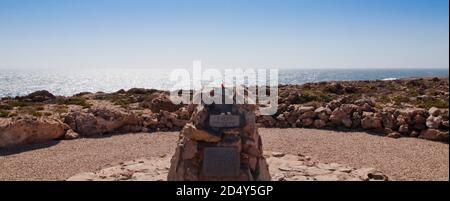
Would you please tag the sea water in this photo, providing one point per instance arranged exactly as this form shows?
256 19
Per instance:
69 82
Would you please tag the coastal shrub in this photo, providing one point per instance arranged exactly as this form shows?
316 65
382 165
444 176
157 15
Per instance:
6 107
384 99
432 92
124 102
318 96
3 114
40 107
439 103
30 110
17 103
413 92
74 101
398 100
36 114
61 109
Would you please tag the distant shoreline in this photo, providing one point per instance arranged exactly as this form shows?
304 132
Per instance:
299 84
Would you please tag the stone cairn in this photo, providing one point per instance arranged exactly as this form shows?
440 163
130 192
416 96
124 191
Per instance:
220 142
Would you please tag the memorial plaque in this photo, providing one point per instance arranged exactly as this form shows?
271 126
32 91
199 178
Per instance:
221 162
224 121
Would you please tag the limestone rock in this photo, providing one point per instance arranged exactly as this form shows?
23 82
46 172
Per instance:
304 109
318 123
371 121
29 130
433 122
434 111
337 116
435 135
307 122
394 135
347 122
404 128
38 96
103 120
163 102
70 135
193 133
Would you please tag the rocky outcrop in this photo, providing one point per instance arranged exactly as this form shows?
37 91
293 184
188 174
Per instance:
103 120
38 96
163 102
29 130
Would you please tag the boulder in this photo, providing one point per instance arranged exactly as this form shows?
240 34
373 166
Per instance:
103 120
388 120
323 113
394 135
304 109
404 128
70 135
38 96
434 134
412 112
433 122
337 116
323 110
363 101
334 104
347 122
308 114
307 122
335 87
434 111
318 123
163 102
445 124
371 121
27 130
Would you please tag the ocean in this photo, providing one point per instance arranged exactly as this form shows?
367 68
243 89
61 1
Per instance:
69 82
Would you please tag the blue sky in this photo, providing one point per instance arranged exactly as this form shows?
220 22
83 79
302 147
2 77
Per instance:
224 33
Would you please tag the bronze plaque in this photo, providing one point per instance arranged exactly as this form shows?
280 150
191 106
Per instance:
221 162
224 121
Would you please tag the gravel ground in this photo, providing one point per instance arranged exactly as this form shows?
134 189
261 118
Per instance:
400 159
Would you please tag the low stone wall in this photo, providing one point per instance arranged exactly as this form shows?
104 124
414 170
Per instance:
432 124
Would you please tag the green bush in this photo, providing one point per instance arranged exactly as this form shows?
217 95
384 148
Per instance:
16 103
6 107
439 103
3 114
317 96
74 101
